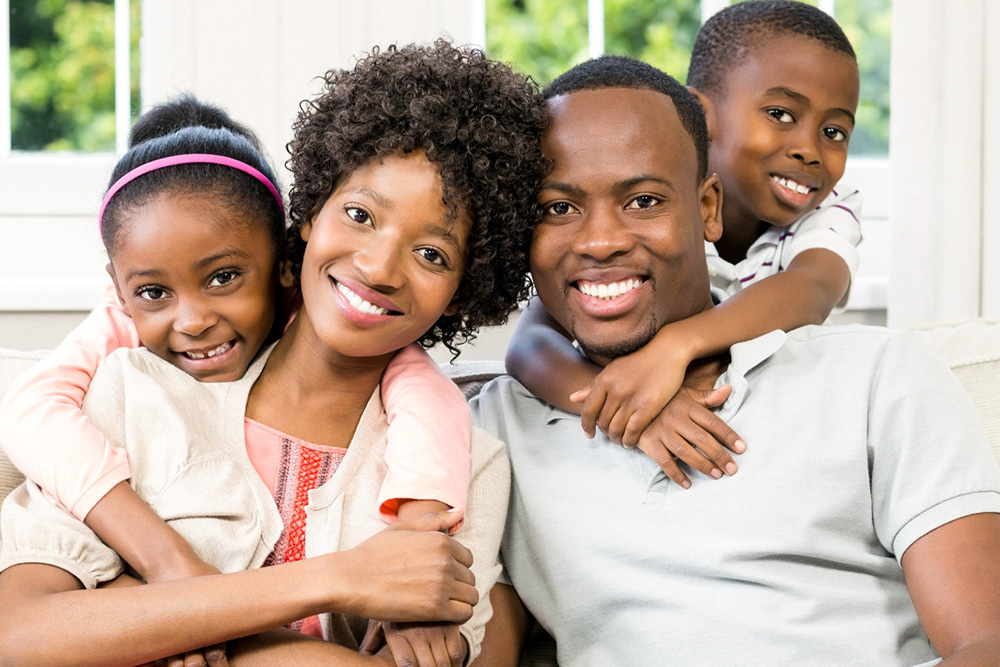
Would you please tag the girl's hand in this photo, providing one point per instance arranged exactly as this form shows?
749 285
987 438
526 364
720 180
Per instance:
628 394
688 430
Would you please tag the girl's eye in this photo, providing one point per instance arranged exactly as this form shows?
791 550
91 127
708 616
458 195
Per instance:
834 134
359 215
433 256
151 293
780 115
643 201
223 277
559 208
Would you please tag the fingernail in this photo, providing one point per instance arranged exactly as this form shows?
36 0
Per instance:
730 468
716 473
686 484
739 446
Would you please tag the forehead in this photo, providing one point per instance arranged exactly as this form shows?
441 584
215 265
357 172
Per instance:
614 135
799 63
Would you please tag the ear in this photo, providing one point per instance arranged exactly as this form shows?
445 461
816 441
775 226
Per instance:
710 202
285 278
118 290
453 307
706 104
306 229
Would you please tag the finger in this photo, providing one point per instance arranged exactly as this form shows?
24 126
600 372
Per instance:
216 656
580 396
439 651
655 450
710 448
608 412
591 410
683 450
432 522
402 652
456 611
461 553
374 638
194 659
454 646
719 430
175 661
617 425
423 651
638 422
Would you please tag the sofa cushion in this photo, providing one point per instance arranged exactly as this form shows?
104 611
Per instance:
12 364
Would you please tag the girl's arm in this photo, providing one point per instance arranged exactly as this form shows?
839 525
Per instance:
409 572
47 437
427 452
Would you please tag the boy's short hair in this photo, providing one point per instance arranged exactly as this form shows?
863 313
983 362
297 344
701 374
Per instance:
625 72
726 38
478 121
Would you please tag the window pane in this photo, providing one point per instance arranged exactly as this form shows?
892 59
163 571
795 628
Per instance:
660 32
868 24
542 38
62 74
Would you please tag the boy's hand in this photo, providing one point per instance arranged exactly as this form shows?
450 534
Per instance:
628 394
424 644
688 430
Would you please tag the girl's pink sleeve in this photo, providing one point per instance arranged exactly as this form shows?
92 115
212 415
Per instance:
42 428
427 454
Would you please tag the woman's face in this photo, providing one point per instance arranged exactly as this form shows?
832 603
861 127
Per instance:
383 259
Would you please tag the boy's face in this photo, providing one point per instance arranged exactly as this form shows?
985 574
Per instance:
779 129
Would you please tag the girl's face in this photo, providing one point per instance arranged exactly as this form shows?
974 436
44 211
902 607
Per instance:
383 260
200 282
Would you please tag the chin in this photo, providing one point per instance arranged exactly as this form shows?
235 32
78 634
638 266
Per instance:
612 349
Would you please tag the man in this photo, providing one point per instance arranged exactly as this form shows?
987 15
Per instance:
862 527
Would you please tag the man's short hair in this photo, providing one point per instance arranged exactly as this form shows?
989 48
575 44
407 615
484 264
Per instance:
726 38
624 72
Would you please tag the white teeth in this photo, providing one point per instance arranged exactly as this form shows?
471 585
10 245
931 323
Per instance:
792 185
211 353
360 304
608 291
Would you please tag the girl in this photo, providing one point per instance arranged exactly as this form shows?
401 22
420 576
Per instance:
414 173
51 441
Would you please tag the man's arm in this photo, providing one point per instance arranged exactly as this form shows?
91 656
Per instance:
506 631
953 575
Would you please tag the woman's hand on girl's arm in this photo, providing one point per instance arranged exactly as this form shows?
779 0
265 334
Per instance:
423 644
688 430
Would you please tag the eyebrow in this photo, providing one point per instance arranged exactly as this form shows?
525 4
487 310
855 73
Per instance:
378 197
226 253
802 99
444 233
626 184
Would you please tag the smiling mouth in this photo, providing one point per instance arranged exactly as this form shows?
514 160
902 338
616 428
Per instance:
792 185
208 354
608 291
360 304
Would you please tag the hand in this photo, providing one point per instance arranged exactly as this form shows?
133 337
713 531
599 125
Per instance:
689 430
425 644
628 394
413 572
213 656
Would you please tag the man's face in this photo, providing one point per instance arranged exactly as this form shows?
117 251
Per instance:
619 251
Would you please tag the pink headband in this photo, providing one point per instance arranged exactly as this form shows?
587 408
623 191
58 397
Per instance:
188 158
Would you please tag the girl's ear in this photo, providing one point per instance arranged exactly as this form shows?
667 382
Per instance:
706 104
453 307
285 277
118 290
710 201
305 230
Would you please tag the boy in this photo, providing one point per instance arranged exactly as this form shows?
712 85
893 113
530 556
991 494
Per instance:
779 128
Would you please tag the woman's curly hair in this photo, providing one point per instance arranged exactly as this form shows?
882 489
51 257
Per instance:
478 121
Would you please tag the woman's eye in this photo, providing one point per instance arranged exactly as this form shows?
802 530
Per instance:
433 256
151 293
834 134
780 115
358 215
223 277
643 201
559 208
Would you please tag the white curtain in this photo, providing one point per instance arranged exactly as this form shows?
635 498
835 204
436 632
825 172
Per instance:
945 156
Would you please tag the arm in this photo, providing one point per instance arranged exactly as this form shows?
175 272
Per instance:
542 357
427 456
953 575
506 631
410 573
47 436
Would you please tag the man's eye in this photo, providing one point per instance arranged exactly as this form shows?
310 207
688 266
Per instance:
780 115
643 201
358 214
559 208
223 277
151 293
834 134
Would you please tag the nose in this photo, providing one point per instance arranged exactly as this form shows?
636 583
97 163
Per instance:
195 316
604 234
804 146
381 261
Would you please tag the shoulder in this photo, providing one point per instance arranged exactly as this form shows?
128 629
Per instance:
503 403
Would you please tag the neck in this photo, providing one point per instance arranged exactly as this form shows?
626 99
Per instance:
703 373
739 231
310 391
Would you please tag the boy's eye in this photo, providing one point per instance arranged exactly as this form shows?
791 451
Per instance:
559 208
643 201
834 134
432 255
780 115
359 215
223 277
151 293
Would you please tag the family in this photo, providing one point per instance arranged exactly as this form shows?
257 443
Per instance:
244 456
